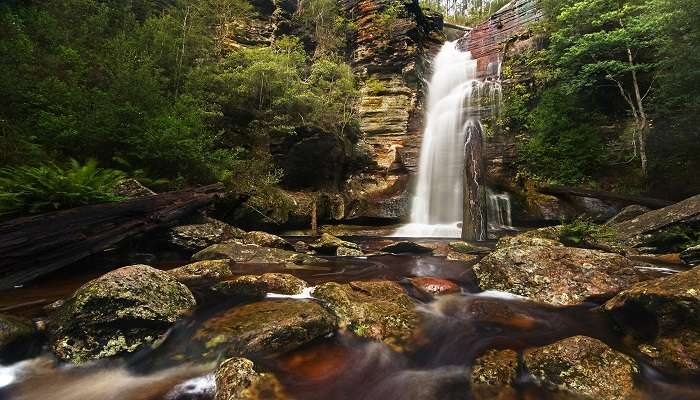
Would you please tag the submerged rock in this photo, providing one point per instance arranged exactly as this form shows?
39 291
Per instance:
259 285
264 327
202 273
583 366
328 244
435 286
251 253
14 329
691 255
195 237
378 310
662 317
117 313
236 379
557 275
406 247
265 239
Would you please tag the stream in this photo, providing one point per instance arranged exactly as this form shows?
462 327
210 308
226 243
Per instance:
454 330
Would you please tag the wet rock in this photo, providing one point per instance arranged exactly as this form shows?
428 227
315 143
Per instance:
379 310
198 236
691 255
583 366
457 256
435 286
495 367
538 237
265 239
468 248
406 247
662 317
260 285
131 188
202 273
117 313
301 247
329 244
557 275
14 329
251 253
628 213
236 379
264 327
348 252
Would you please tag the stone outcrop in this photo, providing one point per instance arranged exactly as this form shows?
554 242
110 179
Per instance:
662 317
117 313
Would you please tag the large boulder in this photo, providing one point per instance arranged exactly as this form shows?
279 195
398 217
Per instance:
117 313
264 327
380 310
583 366
236 379
260 285
555 274
662 317
251 253
265 239
195 237
202 273
329 244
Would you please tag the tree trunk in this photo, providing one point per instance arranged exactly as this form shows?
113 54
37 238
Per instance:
474 213
641 114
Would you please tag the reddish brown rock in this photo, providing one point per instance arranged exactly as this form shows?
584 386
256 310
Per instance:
435 286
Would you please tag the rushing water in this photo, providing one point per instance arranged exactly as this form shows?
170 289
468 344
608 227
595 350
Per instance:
499 211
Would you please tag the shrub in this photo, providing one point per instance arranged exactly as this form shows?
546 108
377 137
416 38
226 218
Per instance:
583 232
49 187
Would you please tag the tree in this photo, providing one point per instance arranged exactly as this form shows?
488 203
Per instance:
611 41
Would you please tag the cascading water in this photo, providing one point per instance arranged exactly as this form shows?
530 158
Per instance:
436 209
499 211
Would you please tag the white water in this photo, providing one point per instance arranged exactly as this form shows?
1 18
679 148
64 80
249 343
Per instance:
499 211
436 209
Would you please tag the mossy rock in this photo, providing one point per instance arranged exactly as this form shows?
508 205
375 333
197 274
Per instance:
260 285
468 248
265 239
202 273
195 237
329 244
251 253
495 367
13 330
264 327
406 247
236 379
583 366
379 310
662 318
118 313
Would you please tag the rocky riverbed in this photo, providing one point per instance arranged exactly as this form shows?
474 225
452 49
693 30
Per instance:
261 317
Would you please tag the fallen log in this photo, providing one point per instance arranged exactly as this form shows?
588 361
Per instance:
36 245
603 195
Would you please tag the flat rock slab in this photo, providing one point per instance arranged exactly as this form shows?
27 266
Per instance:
251 253
260 285
264 327
557 275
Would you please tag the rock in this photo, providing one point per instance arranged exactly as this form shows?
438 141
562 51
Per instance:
435 286
265 239
260 285
691 255
496 368
557 275
301 247
628 213
468 248
662 317
406 247
131 188
198 236
14 329
117 313
379 310
329 244
348 252
251 253
583 366
237 380
265 327
538 237
651 227
202 273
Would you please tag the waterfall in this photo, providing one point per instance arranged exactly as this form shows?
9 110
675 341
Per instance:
452 107
499 211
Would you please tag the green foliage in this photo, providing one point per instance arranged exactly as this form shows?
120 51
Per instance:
375 86
50 187
561 146
387 19
675 239
582 232
329 29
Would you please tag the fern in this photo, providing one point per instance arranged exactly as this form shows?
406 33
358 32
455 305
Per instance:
49 187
